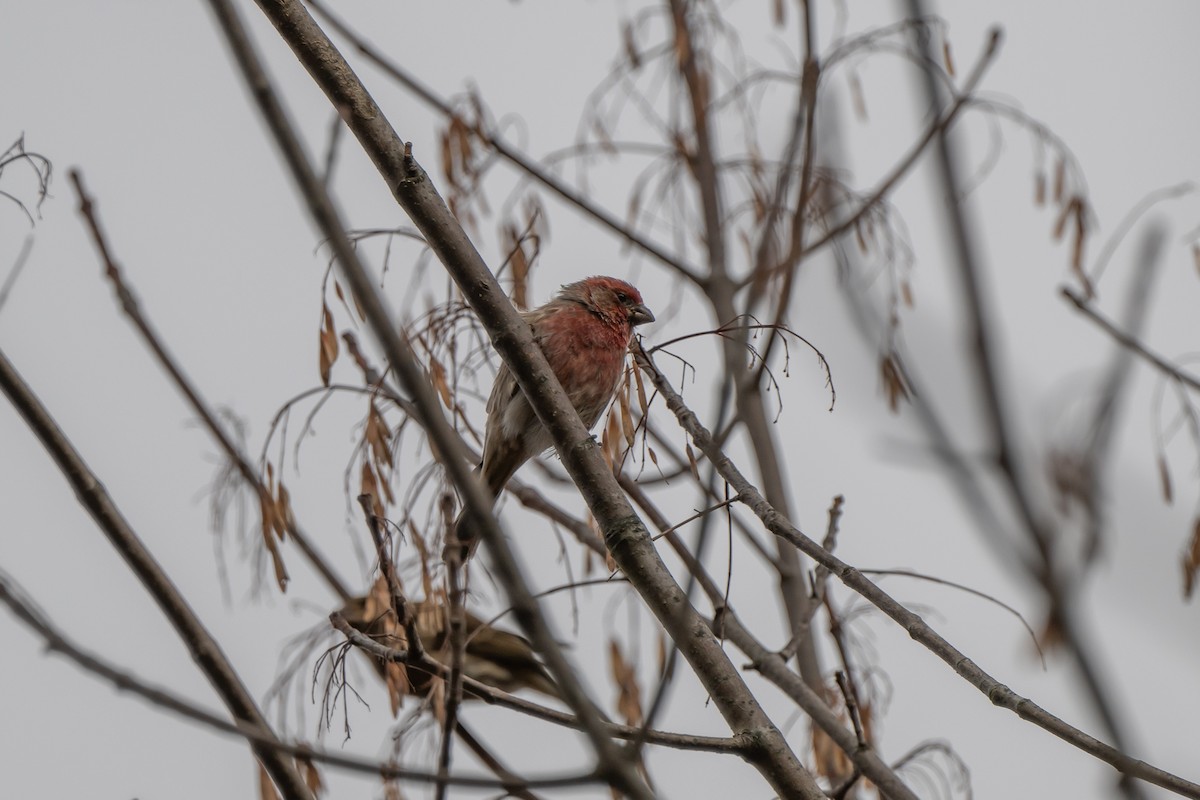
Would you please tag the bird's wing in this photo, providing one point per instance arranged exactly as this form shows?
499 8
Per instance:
504 388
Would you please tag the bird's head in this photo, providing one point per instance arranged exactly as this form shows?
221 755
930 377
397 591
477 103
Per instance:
609 295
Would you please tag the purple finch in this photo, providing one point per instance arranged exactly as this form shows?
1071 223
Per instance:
585 333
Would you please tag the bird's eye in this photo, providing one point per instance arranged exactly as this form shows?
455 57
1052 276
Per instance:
624 298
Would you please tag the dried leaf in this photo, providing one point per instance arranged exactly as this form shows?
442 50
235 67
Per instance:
1051 634
866 716
1060 225
829 761
826 755
370 486
1060 180
629 694
378 438
423 554
643 405
398 687
1164 475
894 386
266 508
385 486
1191 561
466 149
520 272
857 97
946 58
626 417
328 345
437 376
312 777
629 41
283 510
906 293
653 455
266 789
779 14
1039 188
447 152
272 532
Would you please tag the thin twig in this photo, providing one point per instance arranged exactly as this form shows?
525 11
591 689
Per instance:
1126 340
908 573
10 280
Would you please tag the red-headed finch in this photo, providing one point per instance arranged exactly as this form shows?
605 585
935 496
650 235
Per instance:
585 333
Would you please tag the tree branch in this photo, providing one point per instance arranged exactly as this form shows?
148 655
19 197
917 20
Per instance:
204 649
999 694
57 642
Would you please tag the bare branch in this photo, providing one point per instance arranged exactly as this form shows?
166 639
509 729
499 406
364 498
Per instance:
104 512
258 736
996 692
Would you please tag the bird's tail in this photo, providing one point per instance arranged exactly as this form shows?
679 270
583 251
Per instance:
461 539
495 471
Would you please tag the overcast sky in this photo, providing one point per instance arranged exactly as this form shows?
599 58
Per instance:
143 99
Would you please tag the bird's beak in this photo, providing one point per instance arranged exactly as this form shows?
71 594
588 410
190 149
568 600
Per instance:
640 315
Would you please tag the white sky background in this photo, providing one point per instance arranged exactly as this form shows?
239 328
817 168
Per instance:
143 98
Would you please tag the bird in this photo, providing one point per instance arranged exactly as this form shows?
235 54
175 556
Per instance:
492 656
585 333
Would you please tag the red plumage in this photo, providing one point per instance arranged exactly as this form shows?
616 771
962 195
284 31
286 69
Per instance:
585 333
